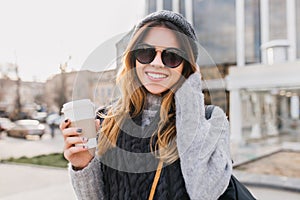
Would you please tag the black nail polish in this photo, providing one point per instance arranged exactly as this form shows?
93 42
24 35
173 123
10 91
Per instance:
66 120
79 130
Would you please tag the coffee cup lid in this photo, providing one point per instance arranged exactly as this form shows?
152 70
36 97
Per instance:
77 104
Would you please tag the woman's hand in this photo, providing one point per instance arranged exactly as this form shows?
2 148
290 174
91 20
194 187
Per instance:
77 155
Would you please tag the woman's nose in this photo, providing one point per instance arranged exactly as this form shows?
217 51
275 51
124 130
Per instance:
157 60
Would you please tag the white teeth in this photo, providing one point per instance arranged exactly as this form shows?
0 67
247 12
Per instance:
157 76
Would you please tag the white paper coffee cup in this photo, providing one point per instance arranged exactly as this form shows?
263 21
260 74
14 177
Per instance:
82 115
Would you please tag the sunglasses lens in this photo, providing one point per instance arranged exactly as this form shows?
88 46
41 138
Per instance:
145 56
171 59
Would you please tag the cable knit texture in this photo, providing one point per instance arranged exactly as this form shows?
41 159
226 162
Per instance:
202 172
134 177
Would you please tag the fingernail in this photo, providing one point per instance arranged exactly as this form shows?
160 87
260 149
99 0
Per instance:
79 130
84 146
84 139
66 120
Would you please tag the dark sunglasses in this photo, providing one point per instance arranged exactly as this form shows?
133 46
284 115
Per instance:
171 57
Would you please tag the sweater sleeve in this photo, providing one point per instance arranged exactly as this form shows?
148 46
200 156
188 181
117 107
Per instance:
203 145
88 182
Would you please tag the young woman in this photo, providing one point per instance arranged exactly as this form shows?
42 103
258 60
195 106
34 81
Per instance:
157 126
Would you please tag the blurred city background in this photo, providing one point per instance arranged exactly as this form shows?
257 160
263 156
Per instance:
55 51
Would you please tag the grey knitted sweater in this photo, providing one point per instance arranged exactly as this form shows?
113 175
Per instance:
203 147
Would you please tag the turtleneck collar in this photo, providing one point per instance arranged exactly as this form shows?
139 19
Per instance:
152 105
153 102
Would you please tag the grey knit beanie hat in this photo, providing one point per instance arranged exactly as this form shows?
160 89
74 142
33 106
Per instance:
176 19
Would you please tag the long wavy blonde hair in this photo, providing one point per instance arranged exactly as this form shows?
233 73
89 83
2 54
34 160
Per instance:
133 99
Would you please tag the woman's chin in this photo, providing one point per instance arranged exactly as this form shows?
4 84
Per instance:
156 89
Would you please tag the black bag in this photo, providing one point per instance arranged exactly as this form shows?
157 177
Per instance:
235 190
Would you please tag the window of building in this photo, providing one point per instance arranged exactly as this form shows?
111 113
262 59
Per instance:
252 31
277 17
182 7
214 21
168 5
109 92
102 92
298 28
151 6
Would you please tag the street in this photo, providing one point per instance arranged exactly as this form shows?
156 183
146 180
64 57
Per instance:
34 182
18 147
273 194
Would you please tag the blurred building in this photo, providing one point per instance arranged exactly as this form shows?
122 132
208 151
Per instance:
249 60
97 86
252 67
31 95
7 94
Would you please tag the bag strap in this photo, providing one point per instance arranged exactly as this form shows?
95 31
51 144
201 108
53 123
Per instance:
155 180
208 111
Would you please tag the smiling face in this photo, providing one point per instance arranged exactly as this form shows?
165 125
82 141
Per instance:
155 76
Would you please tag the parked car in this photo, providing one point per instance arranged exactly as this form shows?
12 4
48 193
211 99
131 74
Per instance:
40 116
5 124
26 127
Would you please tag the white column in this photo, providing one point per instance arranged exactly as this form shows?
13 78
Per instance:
270 119
175 6
257 114
235 116
284 110
189 10
159 5
264 25
291 28
294 107
240 32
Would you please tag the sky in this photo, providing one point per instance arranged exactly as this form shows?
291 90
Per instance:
41 35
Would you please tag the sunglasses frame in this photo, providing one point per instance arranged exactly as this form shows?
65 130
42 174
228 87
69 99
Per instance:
178 52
